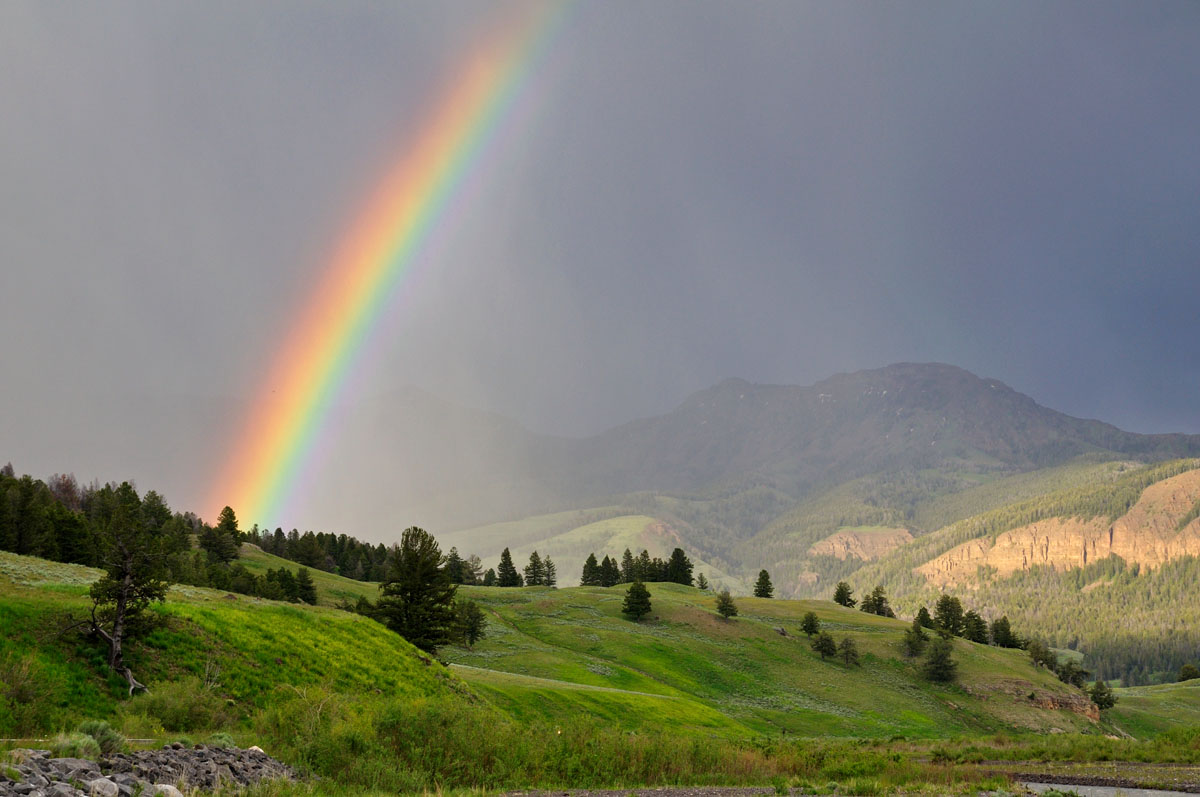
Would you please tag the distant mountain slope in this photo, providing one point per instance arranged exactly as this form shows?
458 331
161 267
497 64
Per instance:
905 416
452 467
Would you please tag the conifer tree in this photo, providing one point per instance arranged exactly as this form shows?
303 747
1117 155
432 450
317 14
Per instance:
591 576
220 542
948 615
975 628
470 621
843 595
417 600
1102 696
939 666
824 644
915 639
506 572
848 651
924 619
628 568
454 566
610 573
643 567
810 624
535 571
1189 672
489 577
701 582
1002 635
679 568
549 573
637 601
134 573
306 590
762 587
725 605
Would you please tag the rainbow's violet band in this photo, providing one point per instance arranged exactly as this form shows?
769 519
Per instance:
327 341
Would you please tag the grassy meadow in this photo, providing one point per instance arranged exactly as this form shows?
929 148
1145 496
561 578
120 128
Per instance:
564 691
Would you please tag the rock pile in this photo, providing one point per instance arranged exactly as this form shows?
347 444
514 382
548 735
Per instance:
146 773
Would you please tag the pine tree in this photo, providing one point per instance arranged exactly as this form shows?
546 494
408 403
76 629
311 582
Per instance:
762 587
939 666
679 568
1002 635
506 572
535 571
924 619
454 566
134 562
915 639
489 578
637 601
842 595
470 621
701 582
549 573
591 576
948 615
810 624
974 628
877 603
417 600
1102 696
610 573
848 651
725 605
221 541
628 568
306 590
643 567
824 644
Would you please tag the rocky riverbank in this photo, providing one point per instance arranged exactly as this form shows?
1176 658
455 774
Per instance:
33 773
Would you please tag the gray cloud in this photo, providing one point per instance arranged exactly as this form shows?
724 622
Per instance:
776 191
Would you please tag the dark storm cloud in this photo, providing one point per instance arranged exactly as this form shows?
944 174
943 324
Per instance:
776 191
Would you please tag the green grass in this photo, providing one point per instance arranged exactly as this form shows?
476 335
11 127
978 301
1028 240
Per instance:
1145 711
563 692
763 682
331 589
240 650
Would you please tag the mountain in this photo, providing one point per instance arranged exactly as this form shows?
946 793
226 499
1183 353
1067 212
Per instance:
794 441
905 416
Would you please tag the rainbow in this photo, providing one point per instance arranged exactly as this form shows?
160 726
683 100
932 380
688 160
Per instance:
411 205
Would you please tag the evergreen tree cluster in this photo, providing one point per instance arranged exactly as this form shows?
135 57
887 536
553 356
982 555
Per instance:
330 553
607 573
540 572
877 603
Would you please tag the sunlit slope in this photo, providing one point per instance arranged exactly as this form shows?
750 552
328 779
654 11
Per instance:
746 670
569 545
1147 710
247 648
332 589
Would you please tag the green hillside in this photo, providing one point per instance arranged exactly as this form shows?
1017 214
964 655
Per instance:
228 655
557 641
549 697
332 589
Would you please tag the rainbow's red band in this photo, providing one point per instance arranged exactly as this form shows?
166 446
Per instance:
359 284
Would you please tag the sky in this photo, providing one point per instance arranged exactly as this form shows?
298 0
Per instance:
777 191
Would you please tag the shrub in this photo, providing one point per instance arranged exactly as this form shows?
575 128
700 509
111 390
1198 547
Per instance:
108 739
74 745
220 739
185 706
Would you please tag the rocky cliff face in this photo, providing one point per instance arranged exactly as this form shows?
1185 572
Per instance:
865 544
1147 534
